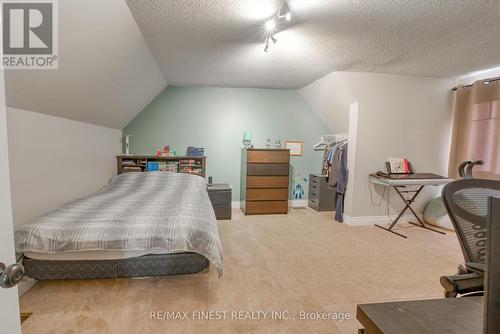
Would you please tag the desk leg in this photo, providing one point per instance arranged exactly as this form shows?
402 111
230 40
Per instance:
408 204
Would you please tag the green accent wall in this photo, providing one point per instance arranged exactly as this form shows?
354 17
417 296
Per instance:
216 118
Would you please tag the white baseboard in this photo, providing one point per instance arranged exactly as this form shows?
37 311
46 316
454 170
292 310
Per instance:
298 203
380 220
235 204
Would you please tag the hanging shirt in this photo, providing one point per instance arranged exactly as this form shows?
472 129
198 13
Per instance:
341 185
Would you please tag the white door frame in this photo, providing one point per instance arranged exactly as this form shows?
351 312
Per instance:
9 298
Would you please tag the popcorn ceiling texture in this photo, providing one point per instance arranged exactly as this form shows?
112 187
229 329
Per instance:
109 71
220 42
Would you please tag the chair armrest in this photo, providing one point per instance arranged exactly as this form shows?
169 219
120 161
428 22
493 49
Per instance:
461 284
475 266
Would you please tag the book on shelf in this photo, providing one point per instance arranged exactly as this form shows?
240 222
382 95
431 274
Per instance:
132 169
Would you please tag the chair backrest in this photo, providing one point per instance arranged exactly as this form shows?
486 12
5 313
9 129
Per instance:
467 204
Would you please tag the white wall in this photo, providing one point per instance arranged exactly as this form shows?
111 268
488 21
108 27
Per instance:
398 116
330 98
55 160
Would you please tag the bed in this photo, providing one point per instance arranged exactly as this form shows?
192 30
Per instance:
140 224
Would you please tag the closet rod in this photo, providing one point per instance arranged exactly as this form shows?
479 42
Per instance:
484 81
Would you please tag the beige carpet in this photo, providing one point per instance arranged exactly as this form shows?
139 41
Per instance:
303 261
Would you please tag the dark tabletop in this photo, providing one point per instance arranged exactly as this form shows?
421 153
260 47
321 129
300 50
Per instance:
447 315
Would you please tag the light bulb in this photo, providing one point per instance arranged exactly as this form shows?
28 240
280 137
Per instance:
270 25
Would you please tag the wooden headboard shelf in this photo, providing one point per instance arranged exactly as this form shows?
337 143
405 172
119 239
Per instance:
179 164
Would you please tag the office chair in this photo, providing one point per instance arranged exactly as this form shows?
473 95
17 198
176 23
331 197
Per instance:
467 204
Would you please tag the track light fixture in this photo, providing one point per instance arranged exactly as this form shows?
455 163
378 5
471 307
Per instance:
271 25
279 21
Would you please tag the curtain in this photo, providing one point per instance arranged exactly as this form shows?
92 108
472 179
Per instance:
476 129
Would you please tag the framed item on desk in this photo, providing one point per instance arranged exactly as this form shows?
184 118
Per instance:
295 147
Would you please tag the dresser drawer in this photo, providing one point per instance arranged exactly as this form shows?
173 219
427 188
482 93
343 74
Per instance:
314 187
313 194
267 169
314 179
265 207
268 156
267 194
267 181
314 203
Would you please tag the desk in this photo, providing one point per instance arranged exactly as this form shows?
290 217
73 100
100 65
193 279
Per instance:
399 185
447 315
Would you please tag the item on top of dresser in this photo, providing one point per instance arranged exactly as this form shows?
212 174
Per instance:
195 151
295 147
277 144
247 138
268 143
158 153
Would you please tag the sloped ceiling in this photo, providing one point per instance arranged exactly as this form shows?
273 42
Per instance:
115 56
106 73
220 42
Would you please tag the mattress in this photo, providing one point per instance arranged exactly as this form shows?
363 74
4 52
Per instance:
135 214
89 255
143 266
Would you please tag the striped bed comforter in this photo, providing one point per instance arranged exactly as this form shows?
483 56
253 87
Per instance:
154 211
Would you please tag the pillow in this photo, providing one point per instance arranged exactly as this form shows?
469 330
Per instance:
435 214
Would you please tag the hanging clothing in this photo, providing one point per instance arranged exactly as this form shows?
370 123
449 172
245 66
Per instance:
341 184
333 174
326 156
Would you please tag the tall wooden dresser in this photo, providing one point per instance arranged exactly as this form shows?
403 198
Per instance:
264 180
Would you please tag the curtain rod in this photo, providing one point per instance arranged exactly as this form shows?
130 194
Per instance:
485 81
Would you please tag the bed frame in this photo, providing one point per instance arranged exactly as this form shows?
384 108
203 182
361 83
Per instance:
142 266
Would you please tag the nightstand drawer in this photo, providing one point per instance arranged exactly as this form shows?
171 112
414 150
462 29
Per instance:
222 211
220 197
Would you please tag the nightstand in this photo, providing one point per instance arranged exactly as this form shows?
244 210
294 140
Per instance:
220 196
